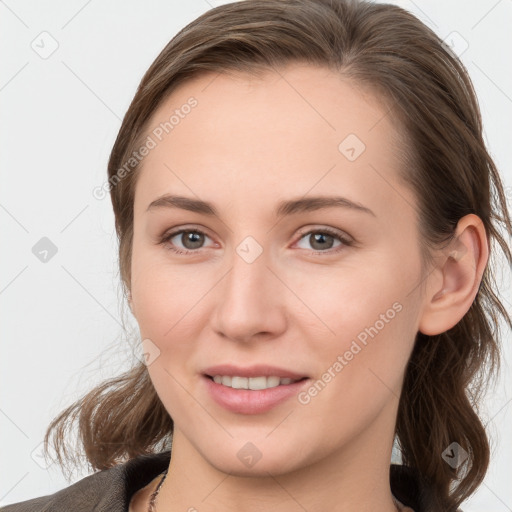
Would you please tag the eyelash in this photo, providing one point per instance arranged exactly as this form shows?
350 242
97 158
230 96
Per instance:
345 242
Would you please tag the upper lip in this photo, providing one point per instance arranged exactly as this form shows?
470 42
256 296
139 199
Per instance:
257 370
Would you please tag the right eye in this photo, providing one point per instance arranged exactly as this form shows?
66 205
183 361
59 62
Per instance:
193 238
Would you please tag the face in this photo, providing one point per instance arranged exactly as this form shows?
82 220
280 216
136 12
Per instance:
326 291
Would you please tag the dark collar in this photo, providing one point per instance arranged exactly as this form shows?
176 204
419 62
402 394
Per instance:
111 490
409 488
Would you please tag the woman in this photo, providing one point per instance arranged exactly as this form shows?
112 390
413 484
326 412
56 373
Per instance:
303 204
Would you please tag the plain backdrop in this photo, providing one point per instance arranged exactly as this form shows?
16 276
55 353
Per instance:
62 319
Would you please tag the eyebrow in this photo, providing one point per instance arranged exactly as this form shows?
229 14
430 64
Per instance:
287 207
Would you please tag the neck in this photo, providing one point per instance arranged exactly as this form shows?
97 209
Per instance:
355 478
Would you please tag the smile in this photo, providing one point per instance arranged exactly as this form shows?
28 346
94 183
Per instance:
254 383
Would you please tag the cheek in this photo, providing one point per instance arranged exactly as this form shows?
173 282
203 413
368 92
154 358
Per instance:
167 302
368 322
348 299
166 297
361 369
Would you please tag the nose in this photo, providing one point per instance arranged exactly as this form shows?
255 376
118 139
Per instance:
250 300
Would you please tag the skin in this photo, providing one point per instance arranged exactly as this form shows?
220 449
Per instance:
248 144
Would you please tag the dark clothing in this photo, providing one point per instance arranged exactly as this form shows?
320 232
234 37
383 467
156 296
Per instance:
111 490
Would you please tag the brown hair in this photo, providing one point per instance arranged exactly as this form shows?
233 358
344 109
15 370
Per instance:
428 89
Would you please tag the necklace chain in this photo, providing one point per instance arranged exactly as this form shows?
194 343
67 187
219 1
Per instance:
152 499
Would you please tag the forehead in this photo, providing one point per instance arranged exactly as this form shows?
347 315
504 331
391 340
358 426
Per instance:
286 132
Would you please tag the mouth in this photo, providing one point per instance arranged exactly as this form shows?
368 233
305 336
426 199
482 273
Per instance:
258 383
252 395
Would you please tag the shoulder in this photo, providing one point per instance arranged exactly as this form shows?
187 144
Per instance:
108 490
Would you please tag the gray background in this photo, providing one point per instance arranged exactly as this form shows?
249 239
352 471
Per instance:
61 320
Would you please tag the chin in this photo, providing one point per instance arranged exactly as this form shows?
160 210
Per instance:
258 459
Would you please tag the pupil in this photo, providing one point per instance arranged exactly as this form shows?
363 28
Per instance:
319 237
194 238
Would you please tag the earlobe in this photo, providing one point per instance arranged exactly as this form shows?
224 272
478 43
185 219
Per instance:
461 265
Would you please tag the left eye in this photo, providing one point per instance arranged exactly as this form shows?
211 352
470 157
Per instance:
324 239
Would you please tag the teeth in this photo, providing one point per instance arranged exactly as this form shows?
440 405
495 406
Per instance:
254 383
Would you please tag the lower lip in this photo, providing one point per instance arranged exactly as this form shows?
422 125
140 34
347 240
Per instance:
248 401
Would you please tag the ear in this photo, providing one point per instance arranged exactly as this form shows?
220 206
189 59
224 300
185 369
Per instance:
454 283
